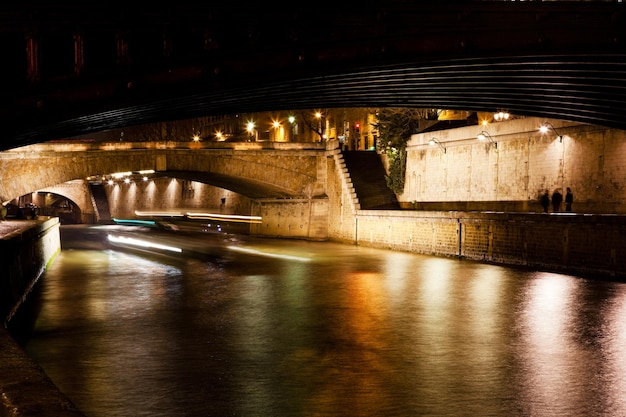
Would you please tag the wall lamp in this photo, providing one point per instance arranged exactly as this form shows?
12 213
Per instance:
485 135
435 141
547 126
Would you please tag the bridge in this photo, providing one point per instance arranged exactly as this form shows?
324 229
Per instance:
258 170
78 68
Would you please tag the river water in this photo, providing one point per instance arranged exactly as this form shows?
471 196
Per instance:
293 328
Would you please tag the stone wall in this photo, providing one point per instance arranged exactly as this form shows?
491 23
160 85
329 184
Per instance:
24 255
172 194
288 168
301 219
580 244
510 174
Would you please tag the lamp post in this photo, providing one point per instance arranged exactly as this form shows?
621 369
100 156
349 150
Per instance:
484 136
436 142
292 120
276 126
318 116
250 129
544 128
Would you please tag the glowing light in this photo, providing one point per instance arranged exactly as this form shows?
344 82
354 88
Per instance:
219 136
142 243
135 222
250 127
126 180
145 178
146 171
158 214
110 182
119 175
225 217
500 116
292 119
267 254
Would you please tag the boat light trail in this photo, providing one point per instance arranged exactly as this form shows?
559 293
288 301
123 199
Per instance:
159 214
269 255
135 222
225 217
143 243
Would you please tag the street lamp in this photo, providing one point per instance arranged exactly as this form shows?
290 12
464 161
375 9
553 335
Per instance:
250 129
435 141
318 116
485 135
292 121
276 125
547 126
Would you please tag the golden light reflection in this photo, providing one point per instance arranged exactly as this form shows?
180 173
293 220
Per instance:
550 347
397 270
435 283
484 294
615 351
364 370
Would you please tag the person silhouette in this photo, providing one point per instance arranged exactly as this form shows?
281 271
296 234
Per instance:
569 199
557 199
545 201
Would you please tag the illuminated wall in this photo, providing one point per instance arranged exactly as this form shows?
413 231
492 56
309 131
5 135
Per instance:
510 171
171 194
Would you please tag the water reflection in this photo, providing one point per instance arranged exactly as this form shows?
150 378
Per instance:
351 331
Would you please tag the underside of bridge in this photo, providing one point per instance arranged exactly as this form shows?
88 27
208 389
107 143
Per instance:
71 69
244 186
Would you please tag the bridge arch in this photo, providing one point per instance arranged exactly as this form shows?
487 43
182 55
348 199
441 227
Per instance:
260 170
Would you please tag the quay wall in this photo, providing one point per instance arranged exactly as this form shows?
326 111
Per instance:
514 166
586 245
25 252
26 249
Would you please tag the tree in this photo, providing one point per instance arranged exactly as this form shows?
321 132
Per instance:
395 127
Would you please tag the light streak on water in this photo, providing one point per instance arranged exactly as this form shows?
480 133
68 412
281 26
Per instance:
267 254
142 243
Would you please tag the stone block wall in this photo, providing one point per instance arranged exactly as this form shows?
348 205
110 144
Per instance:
579 244
302 219
477 175
172 194
24 255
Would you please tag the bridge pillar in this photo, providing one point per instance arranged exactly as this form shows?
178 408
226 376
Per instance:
293 218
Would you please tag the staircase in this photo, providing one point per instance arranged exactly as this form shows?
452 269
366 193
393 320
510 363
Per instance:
367 174
100 202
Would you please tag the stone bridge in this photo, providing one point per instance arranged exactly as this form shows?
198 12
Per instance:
258 170
72 70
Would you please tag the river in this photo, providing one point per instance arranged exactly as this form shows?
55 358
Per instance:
271 327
